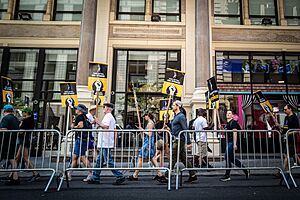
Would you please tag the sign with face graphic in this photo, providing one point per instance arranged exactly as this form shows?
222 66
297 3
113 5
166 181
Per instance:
7 90
264 103
173 82
213 90
68 93
97 80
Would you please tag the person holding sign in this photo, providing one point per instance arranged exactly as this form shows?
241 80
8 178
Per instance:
179 124
231 146
81 139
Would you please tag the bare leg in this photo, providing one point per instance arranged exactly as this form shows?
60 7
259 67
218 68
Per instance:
136 172
86 162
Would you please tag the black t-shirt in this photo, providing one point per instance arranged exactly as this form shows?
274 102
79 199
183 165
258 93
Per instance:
290 122
27 123
231 125
81 118
10 122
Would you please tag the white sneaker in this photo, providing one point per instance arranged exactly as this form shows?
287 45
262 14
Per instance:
88 178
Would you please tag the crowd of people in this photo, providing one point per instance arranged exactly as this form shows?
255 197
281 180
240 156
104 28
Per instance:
153 148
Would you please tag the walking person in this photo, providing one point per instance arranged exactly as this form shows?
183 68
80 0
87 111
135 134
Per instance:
9 142
148 150
199 125
179 124
106 141
81 139
231 146
24 142
290 122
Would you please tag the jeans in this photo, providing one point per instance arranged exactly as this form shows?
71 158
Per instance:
105 153
230 158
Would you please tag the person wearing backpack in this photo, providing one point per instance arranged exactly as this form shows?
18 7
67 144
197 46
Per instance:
81 139
231 146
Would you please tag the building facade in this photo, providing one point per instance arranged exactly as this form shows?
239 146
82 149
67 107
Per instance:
248 45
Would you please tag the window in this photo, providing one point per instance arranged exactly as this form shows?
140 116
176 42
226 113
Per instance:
262 11
292 12
227 12
146 70
1 54
22 69
30 10
267 68
68 10
168 10
60 66
131 10
232 67
3 8
292 63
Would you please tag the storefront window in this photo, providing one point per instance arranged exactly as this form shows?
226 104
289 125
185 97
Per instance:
168 10
232 67
3 8
262 11
131 10
227 12
22 69
145 70
60 66
30 10
292 12
68 10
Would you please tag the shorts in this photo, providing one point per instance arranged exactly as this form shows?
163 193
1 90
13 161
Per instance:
80 149
202 149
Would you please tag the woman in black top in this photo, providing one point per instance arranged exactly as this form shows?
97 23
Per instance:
24 142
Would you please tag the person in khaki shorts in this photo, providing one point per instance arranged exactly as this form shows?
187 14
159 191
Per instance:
200 124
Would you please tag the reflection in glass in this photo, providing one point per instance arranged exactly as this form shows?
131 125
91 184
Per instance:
67 10
131 10
168 10
36 9
292 12
227 12
293 69
3 8
259 9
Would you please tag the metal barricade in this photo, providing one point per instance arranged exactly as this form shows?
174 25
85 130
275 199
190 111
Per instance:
292 138
30 150
256 150
132 150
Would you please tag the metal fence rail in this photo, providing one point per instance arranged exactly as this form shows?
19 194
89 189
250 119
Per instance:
128 149
35 148
256 150
292 138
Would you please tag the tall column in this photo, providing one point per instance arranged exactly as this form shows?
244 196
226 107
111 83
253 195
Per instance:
10 10
245 6
49 9
86 49
282 20
202 43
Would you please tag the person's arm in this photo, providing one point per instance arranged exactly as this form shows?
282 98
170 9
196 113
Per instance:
184 127
234 139
105 123
79 125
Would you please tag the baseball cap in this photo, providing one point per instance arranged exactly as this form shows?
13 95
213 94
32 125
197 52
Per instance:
110 105
27 110
81 108
8 107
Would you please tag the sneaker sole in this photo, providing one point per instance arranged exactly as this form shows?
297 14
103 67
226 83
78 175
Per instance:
225 180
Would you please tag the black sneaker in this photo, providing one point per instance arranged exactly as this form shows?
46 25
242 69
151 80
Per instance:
155 177
34 178
93 181
119 181
132 178
225 178
13 182
162 179
191 179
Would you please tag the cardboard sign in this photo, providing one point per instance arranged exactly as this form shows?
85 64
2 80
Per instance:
163 104
211 105
101 100
97 80
264 103
173 82
68 93
213 89
7 90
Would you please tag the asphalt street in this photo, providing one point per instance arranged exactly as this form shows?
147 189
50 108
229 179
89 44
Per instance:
206 187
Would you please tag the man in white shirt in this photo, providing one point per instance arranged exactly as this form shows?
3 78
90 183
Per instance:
200 124
106 141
